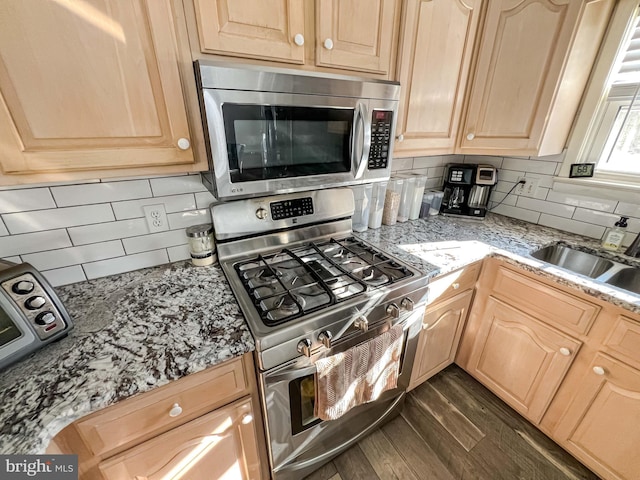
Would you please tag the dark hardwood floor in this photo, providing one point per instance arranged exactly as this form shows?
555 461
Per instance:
453 428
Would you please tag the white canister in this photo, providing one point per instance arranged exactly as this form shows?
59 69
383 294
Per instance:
377 204
202 246
416 201
362 201
406 198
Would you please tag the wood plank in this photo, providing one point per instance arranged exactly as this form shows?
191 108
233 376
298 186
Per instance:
384 458
416 453
446 413
353 465
326 472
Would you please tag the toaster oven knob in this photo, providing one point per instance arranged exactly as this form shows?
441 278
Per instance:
34 303
45 318
393 310
304 347
407 304
22 287
261 213
325 338
362 324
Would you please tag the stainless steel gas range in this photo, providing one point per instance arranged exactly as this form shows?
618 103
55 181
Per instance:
310 289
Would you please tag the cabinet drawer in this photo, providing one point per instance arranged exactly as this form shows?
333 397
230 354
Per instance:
550 305
139 418
624 341
453 283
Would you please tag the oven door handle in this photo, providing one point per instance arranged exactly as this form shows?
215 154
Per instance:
291 374
361 118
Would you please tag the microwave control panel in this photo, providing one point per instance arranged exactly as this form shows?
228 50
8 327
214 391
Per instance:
380 139
291 208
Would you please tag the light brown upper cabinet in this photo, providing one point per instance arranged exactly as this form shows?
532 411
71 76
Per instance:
89 86
434 56
533 61
351 35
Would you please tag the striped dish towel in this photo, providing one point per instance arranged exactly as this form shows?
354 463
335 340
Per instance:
358 375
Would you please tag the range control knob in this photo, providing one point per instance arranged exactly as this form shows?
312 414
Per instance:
393 310
22 287
34 303
304 347
261 213
45 318
407 304
361 323
325 338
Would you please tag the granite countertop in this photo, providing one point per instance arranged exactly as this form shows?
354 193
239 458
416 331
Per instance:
133 332
140 330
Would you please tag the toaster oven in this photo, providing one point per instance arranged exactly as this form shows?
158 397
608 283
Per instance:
31 314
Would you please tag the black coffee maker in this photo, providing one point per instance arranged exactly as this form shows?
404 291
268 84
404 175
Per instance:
467 187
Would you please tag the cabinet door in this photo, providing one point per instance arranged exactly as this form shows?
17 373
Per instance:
600 426
263 29
441 330
436 45
89 85
520 359
356 34
529 50
221 444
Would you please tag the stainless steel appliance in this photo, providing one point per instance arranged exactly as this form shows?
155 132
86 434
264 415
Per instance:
31 314
309 288
467 188
277 131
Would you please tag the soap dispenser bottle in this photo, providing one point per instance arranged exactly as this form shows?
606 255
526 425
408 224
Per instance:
615 235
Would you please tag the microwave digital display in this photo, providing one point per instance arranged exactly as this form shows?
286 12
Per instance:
270 142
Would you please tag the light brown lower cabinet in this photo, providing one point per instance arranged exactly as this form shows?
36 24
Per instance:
218 445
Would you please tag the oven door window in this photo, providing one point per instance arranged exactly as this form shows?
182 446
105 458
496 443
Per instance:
269 142
8 329
302 398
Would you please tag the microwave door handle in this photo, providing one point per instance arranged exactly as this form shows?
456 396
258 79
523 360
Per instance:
355 134
366 140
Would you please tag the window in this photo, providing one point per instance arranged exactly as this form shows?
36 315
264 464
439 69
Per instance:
607 130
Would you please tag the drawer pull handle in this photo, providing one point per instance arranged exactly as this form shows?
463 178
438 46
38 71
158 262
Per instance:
455 286
565 351
175 410
598 370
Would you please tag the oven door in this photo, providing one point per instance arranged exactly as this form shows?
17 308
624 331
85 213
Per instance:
299 442
269 143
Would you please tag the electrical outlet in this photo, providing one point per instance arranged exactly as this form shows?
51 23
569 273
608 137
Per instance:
520 188
529 188
156 218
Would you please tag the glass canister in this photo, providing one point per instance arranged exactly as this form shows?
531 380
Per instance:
392 201
201 244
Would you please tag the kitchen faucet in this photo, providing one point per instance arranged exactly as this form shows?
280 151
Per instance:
634 249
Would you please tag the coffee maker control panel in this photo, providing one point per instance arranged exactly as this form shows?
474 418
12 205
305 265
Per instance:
380 139
461 175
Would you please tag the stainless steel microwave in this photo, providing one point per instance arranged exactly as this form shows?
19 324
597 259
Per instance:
271 131
31 314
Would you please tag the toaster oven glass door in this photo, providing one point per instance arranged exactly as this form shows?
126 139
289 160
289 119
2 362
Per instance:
8 329
269 142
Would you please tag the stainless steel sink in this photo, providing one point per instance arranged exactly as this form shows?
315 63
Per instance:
627 278
574 260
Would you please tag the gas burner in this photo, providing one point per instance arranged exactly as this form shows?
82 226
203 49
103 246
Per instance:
342 253
286 303
266 276
373 276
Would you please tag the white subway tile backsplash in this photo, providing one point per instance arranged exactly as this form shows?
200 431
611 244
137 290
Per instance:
532 166
176 185
14 259
154 241
434 172
548 207
205 199
545 181
186 219
65 276
484 160
500 197
33 242
573 226
179 252
398 164
584 202
516 212
630 209
108 231
125 264
172 203
100 192
510 175
428 162
25 222
25 199
3 229
598 218
74 255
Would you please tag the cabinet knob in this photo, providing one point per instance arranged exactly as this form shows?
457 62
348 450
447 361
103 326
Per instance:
247 418
565 351
328 44
175 410
184 143
598 370
455 286
298 39
400 138
470 136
